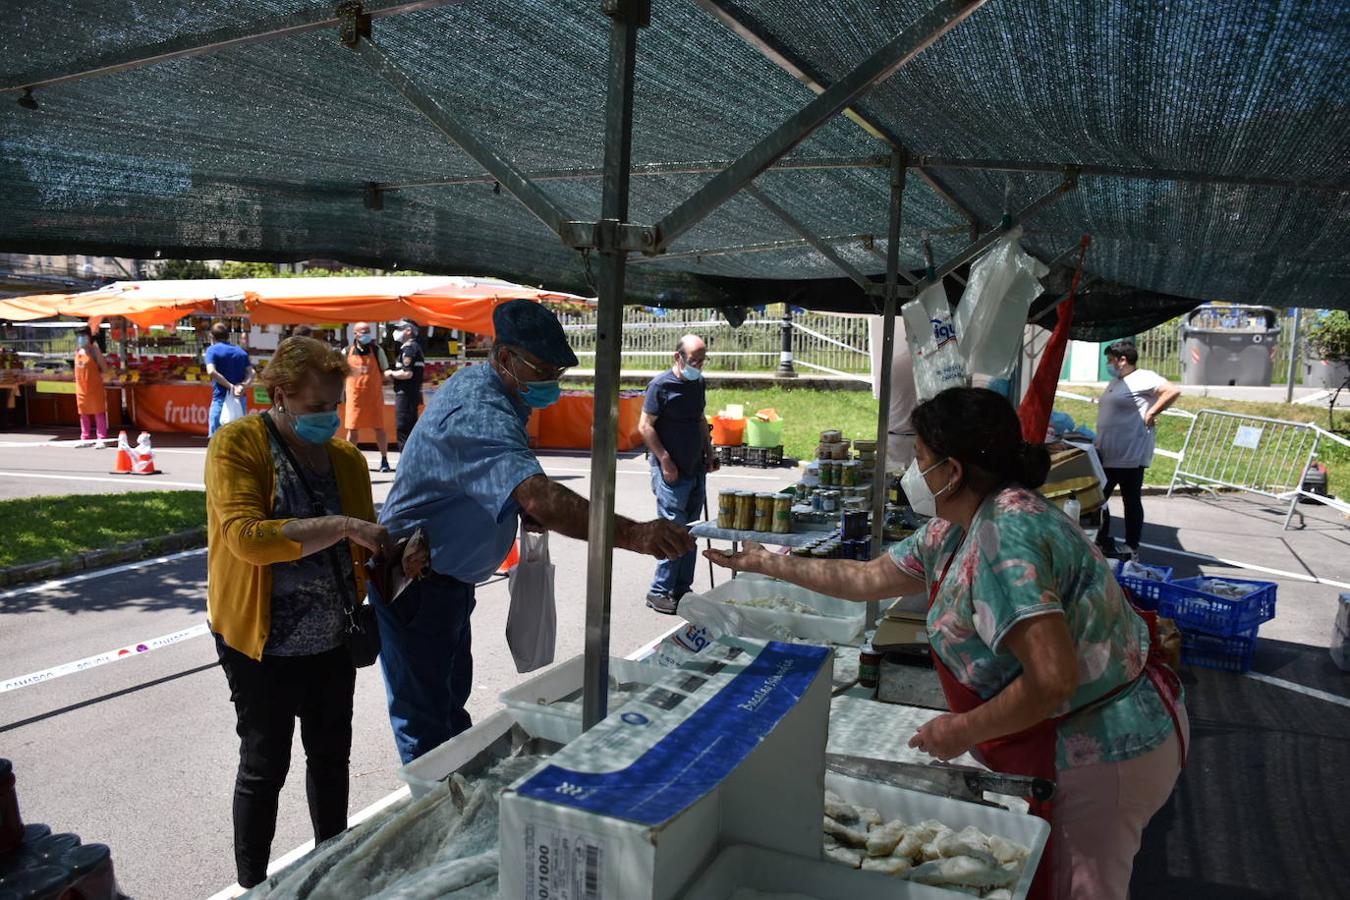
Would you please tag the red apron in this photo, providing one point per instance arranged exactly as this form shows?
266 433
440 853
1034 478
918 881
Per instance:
1032 752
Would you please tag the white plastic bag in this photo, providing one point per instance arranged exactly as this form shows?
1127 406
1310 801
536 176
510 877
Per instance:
932 336
993 310
532 621
231 408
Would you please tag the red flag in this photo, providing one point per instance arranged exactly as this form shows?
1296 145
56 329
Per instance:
1040 399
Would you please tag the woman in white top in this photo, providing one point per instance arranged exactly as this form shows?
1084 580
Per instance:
1128 409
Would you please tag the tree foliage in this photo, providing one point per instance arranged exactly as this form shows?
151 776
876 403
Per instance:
1329 336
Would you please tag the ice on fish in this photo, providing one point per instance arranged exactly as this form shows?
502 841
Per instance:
778 604
441 845
929 852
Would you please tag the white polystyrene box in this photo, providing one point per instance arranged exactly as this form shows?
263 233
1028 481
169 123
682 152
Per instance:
840 621
729 749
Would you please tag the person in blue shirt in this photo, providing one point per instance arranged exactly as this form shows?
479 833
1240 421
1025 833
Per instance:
466 478
675 430
230 370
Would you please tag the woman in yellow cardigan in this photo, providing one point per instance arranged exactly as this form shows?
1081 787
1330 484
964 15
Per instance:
273 598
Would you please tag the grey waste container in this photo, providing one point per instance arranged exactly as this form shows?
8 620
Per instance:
1321 373
1229 345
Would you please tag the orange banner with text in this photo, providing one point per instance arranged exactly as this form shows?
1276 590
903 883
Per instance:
182 408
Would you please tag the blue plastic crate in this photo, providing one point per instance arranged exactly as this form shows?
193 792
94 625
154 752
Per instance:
1147 592
1195 610
1228 654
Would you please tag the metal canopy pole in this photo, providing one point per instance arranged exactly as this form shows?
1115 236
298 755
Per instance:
978 246
887 358
1147 174
766 247
501 168
626 17
749 31
868 285
1293 356
883 63
217 39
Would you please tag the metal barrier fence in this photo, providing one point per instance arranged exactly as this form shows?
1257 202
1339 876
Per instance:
1261 456
833 345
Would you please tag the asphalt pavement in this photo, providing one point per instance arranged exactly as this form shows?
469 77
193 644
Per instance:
140 753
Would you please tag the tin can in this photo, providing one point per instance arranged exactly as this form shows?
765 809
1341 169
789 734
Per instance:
831 436
826 473
865 446
829 501
848 472
817 501
869 666
763 512
840 450
745 511
782 513
726 509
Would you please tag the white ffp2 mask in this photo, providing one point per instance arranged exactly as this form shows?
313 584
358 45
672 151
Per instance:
921 497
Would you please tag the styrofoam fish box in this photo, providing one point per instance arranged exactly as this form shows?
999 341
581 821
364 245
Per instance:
915 806
495 738
637 807
534 702
840 622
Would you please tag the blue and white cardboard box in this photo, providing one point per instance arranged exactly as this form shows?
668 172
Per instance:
728 749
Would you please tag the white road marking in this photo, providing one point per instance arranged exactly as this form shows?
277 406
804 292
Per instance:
1205 557
1299 688
101 573
139 648
281 862
138 480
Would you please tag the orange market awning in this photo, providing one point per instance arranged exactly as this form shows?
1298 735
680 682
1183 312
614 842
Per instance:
30 308
447 301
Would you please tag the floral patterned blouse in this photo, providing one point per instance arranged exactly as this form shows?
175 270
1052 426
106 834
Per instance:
1024 559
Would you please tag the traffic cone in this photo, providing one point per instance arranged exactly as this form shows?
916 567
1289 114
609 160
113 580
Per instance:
143 457
511 560
124 466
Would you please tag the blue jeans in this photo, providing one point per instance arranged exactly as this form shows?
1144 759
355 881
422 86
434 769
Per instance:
427 659
213 417
682 503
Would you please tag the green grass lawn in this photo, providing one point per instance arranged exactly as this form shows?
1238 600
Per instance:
39 528
805 413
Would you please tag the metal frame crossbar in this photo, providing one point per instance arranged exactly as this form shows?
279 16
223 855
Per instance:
1255 454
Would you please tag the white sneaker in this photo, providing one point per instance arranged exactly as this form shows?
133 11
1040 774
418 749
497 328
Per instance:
100 445
1131 553
82 444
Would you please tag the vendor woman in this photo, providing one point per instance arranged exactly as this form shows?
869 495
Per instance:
1047 668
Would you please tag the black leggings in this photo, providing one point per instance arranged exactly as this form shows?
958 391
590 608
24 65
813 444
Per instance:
1131 482
267 697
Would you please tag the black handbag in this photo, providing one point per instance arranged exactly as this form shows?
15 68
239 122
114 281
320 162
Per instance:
363 628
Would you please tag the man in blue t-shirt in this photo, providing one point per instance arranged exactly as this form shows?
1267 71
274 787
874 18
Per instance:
230 370
676 433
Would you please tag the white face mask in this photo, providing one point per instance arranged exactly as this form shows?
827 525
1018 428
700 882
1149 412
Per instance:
921 497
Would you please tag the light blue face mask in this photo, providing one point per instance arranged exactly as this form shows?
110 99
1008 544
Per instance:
82 340
1113 370
539 394
365 338
690 373
317 428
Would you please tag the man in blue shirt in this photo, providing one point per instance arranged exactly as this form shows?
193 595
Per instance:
675 429
466 477
230 370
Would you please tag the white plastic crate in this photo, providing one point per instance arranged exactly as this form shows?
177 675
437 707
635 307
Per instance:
840 622
533 702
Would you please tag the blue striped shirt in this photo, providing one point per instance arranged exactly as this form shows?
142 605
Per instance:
457 473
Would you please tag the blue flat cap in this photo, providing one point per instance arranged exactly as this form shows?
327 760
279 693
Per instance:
528 325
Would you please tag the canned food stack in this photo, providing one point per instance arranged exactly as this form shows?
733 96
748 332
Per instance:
38 864
835 546
765 512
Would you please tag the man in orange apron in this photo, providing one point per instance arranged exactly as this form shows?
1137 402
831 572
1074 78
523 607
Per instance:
365 390
91 399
